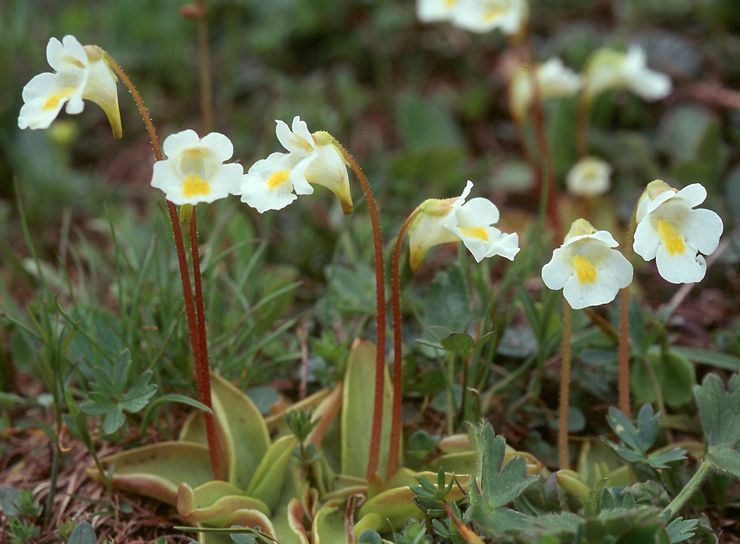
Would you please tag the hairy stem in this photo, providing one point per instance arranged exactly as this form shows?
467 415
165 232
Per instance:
691 487
623 351
563 455
396 423
203 369
372 206
181 257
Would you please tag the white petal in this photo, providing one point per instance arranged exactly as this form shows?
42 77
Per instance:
506 245
686 267
174 144
73 50
228 179
702 230
655 203
583 295
33 115
219 144
615 271
41 86
75 104
164 177
299 140
254 189
477 211
466 192
298 174
646 240
558 271
694 194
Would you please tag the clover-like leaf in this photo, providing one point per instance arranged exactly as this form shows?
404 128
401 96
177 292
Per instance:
719 412
636 440
680 530
499 484
109 397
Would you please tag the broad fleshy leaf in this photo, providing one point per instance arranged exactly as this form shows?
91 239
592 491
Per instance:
268 479
157 470
213 503
357 411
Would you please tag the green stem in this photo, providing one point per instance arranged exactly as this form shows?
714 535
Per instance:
691 487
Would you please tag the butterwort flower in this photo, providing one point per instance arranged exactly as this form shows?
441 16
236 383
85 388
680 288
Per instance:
674 233
80 73
610 69
509 16
440 221
554 79
587 267
590 176
194 170
310 159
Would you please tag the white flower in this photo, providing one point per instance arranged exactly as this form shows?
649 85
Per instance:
587 268
589 177
482 16
430 11
554 79
609 69
194 170
81 73
673 233
453 219
274 182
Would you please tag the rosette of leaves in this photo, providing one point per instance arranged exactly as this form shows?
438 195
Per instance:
294 478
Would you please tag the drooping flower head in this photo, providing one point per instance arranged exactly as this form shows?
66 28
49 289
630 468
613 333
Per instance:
675 234
554 79
590 176
274 182
80 73
453 220
610 69
481 16
587 267
430 11
194 170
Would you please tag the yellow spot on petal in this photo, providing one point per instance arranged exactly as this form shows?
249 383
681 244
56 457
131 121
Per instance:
277 179
475 232
195 186
585 269
450 3
672 239
53 101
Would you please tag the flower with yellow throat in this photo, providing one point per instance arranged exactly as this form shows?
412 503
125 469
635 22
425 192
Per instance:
438 221
587 267
675 234
80 73
194 170
311 159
